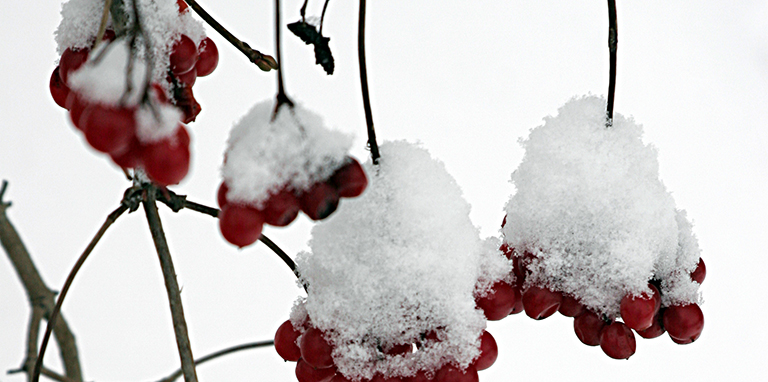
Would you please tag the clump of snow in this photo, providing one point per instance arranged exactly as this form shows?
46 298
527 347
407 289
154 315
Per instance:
591 208
295 151
161 23
398 262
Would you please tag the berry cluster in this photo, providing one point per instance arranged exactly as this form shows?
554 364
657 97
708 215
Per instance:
643 314
137 126
308 347
241 224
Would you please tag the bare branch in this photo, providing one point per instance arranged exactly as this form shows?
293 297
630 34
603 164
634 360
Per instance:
613 41
374 147
218 354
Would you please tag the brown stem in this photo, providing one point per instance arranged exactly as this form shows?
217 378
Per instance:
103 25
52 320
612 46
322 17
282 97
218 354
364 85
253 55
171 286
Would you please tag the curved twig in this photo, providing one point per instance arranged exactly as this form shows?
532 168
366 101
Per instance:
218 354
613 41
282 97
374 147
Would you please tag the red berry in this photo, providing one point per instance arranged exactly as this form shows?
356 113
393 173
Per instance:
381 378
499 301
76 105
183 55
281 208
167 161
159 93
340 378
656 329
504 221
285 342
420 376
208 57
540 302
684 323
131 157
349 179
699 273
108 129
571 307
182 5
184 99
638 311
70 61
449 373
240 225
518 301
399 349
588 326
617 341
489 351
507 250
315 349
59 90
188 78
319 201
221 195
308 373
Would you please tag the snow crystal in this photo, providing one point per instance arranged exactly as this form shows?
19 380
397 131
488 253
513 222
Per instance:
401 260
80 20
295 150
591 208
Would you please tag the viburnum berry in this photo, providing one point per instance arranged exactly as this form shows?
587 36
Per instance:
319 201
700 272
570 306
507 250
308 373
420 376
637 312
381 378
281 208
684 323
76 105
240 225
71 60
489 351
315 350
221 195
59 90
350 179
285 342
450 373
167 161
108 129
588 326
188 78
131 157
617 341
208 57
657 327
182 6
183 55
399 349
499 301
185 100
518 300
540 302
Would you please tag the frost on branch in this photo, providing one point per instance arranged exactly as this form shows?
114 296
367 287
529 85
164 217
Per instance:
294 151
591 209
398 266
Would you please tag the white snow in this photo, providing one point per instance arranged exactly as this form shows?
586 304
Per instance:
589 204
401 260
295 151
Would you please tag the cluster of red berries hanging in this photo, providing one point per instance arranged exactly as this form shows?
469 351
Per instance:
593 233
391 280
131 103
276 167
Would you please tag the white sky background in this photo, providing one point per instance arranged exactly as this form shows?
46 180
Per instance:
466 78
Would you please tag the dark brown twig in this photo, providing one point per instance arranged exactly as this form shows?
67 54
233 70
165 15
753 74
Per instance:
218 354
613 41
253 55
70 278
282 97
374 147
322 17
171 286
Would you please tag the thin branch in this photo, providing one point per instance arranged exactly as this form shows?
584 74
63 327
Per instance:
322 17
303 11
171 286
103 25
63 294
253 55
218 354
364 85
282 98
613 41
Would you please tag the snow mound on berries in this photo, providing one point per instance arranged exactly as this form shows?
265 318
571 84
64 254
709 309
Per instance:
104 81
591 208
295 150
400 261
160 21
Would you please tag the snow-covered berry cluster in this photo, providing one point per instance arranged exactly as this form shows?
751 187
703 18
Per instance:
276 167
392 280
593 233
129 101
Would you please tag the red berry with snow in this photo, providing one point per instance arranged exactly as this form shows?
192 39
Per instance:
59 90
71 60
308 373
450 373
540 302
588 326
657 327
131 157
76 105
350 179
571 307
281 208
221 195
208 57
700 272
617 341
108 129
167 161
183 55
518 300
240 225
285 342
637 312
489 351
499 301
684 323
315 350
320 201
